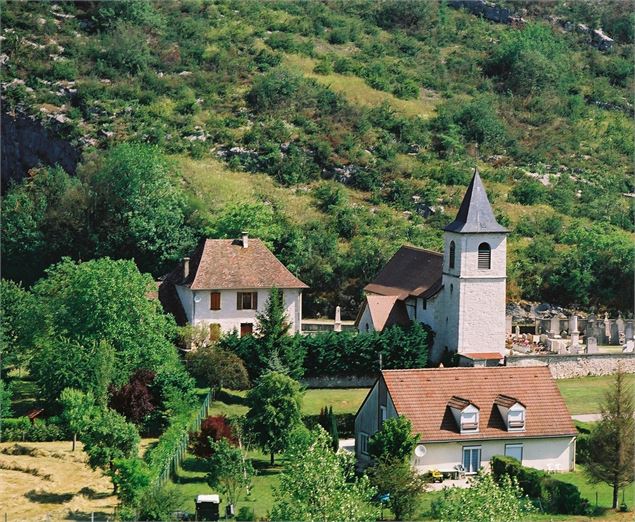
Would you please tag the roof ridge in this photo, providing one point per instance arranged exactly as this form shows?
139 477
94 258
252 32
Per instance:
421 249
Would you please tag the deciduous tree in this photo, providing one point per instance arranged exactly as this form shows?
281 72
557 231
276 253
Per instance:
318 485
395 440
109 437
229 470
78 410
275 410
401 482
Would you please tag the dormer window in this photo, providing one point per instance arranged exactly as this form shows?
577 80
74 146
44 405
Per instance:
512 411
466 414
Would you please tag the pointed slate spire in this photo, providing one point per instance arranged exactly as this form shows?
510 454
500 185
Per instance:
475 214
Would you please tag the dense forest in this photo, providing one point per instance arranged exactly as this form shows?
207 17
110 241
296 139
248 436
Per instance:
335 131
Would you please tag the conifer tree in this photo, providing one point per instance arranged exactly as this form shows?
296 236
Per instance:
611 441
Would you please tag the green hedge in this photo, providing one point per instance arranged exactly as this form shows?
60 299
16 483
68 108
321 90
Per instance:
22 430
345 423
555 496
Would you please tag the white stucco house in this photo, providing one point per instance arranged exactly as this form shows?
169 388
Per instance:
460 294
226 282
465 416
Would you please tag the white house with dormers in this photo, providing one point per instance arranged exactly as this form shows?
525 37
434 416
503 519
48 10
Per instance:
465 416
460 294
226 282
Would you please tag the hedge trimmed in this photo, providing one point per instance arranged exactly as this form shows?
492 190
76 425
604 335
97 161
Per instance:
555 496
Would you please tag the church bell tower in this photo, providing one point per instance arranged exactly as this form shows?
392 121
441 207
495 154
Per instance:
474 277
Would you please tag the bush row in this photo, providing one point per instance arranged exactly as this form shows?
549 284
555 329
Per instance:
553 495
22 430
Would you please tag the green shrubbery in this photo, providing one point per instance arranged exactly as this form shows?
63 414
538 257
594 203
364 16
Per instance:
555 496
23 430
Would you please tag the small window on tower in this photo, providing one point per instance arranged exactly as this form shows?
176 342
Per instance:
484 256
452 253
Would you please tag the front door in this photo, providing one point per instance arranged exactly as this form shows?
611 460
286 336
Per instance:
246 329
472 459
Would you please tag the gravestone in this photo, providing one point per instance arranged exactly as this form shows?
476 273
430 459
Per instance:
628 330
517 331
607 328
630 346
508 324
615 335
619 322
575 334
574 350
554 327
591 345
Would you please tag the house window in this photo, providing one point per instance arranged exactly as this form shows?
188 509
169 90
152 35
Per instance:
214 332
247 301
484 256
452 253
363 443
383 414
246 329
515 451
516 420
424 304
469 421
472 459
214 301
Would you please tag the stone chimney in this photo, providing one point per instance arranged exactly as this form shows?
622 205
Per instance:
245 240
186 267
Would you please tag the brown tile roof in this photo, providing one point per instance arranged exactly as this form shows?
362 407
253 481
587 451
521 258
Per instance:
506 401
411 271
459 403
385 311
224 263
422 395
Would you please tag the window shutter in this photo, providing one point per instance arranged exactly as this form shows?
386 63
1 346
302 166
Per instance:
254 300
239 300
215 301
484 256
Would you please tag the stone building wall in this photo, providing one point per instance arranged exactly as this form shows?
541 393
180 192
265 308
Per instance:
568 366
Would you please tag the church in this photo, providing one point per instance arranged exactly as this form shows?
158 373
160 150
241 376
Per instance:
460 294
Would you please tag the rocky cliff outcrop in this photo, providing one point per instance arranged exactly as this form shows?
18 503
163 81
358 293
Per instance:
26 143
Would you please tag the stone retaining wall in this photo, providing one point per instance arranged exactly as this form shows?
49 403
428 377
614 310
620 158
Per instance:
568 366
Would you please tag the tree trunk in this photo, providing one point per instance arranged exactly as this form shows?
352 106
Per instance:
74 441
616 492
272 457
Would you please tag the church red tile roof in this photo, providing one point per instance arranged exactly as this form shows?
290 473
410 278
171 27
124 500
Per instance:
411 271
224 263
422 395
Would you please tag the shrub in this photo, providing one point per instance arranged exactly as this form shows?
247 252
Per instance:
212 428
555 496
528 192
22 430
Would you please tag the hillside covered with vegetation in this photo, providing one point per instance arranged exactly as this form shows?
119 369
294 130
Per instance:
329 129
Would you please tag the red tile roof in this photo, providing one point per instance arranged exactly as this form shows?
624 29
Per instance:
411 271
224 263
422 395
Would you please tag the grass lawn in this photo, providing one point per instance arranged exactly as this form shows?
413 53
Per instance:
343 400
190 481
584 394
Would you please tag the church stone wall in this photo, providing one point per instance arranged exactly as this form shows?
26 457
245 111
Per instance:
570 366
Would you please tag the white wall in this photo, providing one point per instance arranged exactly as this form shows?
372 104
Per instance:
552 454
229 317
